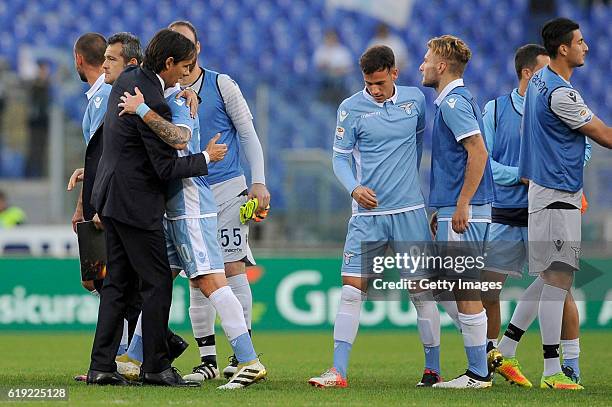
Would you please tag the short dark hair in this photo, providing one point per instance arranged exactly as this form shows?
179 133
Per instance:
527 57
557 32
185 23
377 58
130 46
92 47
167 44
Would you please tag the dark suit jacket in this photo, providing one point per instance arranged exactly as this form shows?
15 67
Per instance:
136 164
92 158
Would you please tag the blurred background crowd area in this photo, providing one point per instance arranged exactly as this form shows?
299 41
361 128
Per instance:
294 60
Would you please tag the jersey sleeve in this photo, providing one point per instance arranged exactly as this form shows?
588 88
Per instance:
502 174
97 111
181 115
459 117
235 105
344 142
568 105
420 130
345 135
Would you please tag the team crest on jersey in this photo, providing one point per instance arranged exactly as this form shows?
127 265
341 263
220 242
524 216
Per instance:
97 102
339 133
347 257
407 107
343 115
451 102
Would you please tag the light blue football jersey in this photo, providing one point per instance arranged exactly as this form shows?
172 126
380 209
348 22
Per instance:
187 197
384 141
96 108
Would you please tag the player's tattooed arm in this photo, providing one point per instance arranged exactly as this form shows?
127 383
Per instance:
175 136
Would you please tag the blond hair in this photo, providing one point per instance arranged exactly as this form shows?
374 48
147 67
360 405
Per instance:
452 49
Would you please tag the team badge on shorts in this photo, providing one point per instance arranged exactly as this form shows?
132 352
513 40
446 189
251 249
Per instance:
347 257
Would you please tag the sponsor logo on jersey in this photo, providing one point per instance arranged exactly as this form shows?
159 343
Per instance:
366 115
343 115
179 101
572 96
451 102
97 102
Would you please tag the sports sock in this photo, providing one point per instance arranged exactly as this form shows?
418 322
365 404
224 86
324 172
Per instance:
135 349
242 290
123 345
346 326
474 331
571 352
525 312
232 321
447 302
202 315
550 315
428 324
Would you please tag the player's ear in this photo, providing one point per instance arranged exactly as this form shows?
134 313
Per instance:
198 48
169 62
133 61
394 73
562 50
526 73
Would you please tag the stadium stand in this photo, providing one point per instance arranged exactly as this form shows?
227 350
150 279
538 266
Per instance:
271 42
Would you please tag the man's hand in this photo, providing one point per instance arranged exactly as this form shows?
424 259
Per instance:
433 224
76 177
130 102
78 215
97 222
524 181
365 197
460 218
215 151
262 194
191 97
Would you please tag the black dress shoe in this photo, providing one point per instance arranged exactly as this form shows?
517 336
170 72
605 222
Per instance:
176 346
168 377
106 378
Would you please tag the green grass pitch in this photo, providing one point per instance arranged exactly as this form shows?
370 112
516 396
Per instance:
383 371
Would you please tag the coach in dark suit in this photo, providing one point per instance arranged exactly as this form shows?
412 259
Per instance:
128 193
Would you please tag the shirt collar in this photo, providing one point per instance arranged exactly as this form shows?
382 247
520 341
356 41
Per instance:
94 88
161 81
172 90
369 97
447 89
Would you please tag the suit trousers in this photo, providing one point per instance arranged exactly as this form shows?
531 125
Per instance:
133 251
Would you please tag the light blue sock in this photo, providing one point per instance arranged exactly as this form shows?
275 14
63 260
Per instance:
477 359
573 363
135 349
122 349
342 351
432 358
243 348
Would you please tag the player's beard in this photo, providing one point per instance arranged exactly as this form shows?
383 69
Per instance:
430 83
82 75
